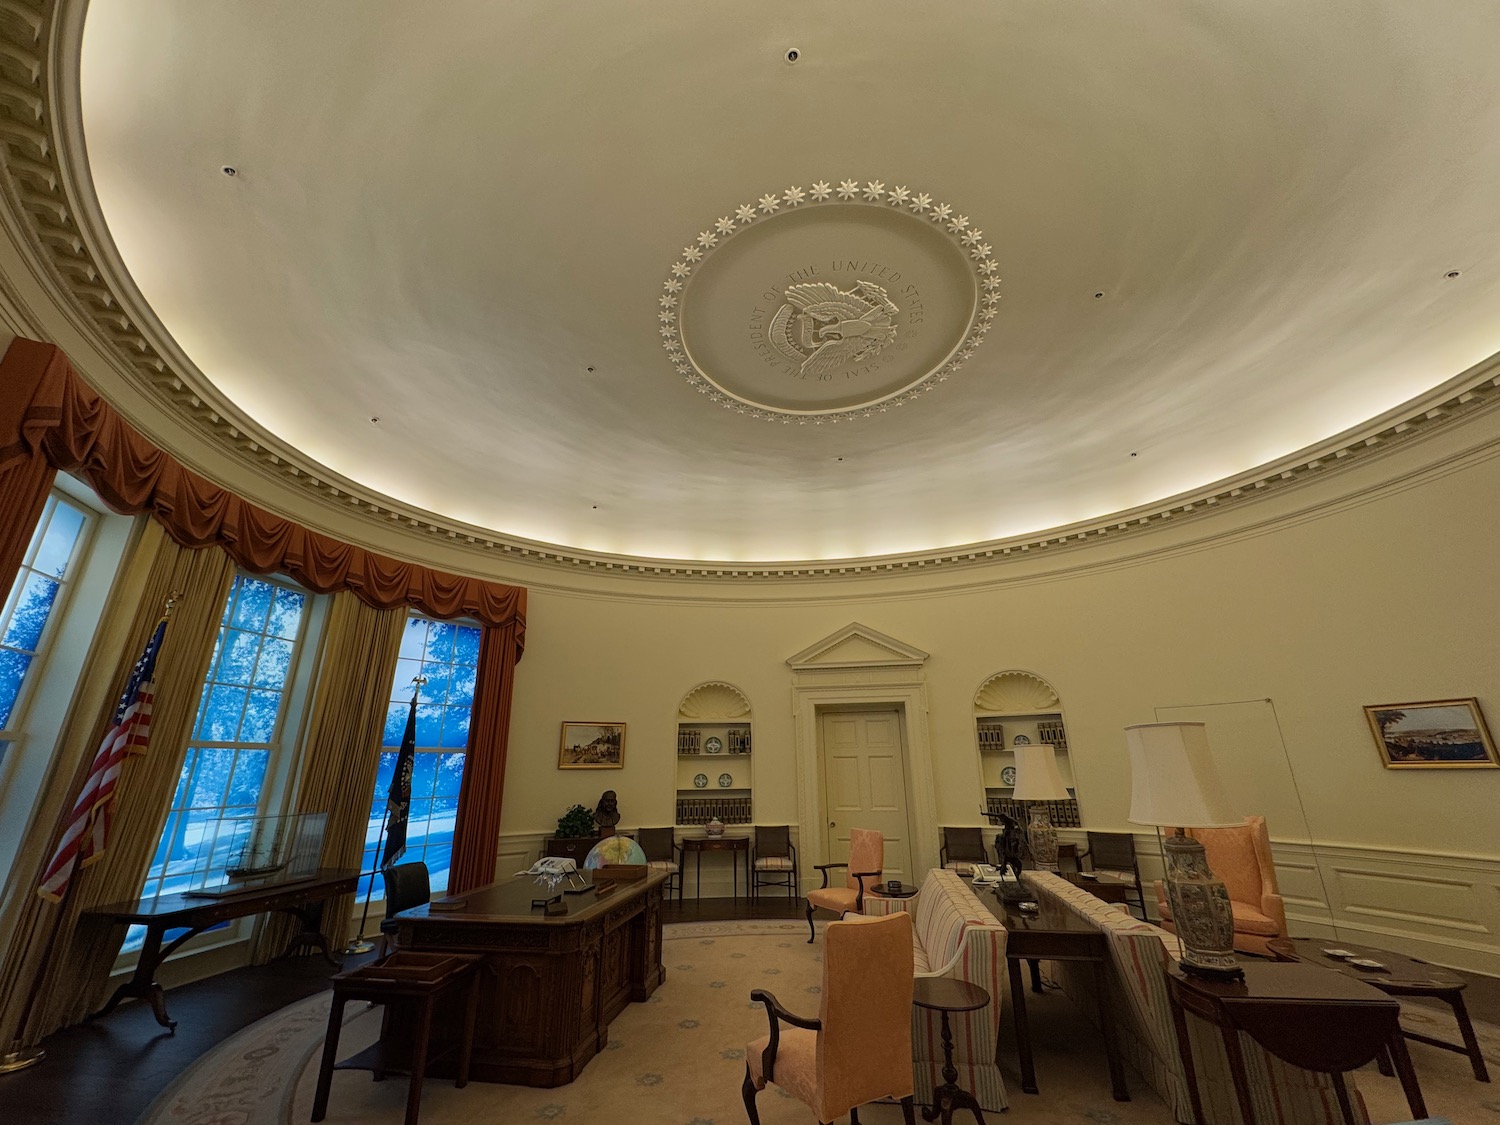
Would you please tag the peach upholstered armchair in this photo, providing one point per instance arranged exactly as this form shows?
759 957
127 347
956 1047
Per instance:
1241 857
866 858
858 1049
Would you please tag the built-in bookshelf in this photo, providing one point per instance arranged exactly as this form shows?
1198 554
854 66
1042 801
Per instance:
714 776
1012 707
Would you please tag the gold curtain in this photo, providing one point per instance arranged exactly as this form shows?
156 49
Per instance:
341 751
84 953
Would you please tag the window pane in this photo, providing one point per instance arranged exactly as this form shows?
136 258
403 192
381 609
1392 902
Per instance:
249 774
440 642
461 687
435 690
413 640
56 549
260 716
221 718
466 647
450 775
455 727
286 613
423 777
254 604
395 725
237 657
429 725
212 779
274 665
31 612
406 671
383 774
13 667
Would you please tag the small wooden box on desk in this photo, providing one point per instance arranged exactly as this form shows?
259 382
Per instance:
575 848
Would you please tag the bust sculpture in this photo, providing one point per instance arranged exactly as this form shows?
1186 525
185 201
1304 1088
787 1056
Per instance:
607 813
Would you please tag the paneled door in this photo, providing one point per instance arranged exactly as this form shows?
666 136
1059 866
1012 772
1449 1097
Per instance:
864 785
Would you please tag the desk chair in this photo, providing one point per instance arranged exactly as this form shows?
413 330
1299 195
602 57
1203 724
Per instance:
858 1049
774 860
1115 852
406 885
663 853
961 849
866 858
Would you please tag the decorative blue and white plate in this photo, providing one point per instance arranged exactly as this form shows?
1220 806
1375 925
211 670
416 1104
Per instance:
713 744
700 781
725 781
1008 775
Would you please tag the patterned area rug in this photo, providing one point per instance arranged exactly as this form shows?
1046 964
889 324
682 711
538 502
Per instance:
679 1059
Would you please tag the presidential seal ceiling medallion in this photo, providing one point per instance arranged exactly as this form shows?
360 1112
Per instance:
826 303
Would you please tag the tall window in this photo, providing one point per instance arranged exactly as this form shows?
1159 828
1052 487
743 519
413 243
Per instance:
30 609
237 730
448 655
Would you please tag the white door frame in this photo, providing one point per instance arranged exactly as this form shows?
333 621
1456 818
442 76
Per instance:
858 668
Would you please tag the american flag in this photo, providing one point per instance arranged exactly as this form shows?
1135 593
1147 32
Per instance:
88 824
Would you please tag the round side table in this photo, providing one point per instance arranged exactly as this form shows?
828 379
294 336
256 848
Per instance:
944 995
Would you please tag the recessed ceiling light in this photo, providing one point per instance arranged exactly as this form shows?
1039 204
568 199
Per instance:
1135 454
230 170
595 507
376 421
792 55
1451 274
838 458
1099 295
591 370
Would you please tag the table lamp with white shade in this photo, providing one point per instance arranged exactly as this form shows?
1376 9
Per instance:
1173 784
1039 780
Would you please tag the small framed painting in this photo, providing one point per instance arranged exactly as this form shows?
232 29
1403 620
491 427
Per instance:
592 746
1434 734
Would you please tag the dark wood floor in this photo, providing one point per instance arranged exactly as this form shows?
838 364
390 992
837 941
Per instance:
109 1071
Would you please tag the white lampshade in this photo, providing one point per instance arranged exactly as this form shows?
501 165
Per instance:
1037 776
1172 778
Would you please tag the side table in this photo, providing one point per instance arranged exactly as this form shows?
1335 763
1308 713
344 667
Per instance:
418 978
1303 1014
1406 977
697 845
944 995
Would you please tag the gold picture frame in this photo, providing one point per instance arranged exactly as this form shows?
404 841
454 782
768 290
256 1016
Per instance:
591 746
1434 734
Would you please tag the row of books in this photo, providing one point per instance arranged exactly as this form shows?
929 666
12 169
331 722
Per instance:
1064 814
690 740
1051 731
700 810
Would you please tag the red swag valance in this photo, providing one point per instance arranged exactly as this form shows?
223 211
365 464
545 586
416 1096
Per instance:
47 410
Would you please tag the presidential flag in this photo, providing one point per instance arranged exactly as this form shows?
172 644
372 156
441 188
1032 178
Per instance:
87 826
398 797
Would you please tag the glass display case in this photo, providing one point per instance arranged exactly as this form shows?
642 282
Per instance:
247 852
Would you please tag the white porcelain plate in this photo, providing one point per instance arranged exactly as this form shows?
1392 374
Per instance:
700 781
725 781
713 744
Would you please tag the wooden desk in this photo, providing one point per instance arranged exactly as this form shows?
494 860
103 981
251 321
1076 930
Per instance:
1303 1014
550 984
303 900
1055 933
697 845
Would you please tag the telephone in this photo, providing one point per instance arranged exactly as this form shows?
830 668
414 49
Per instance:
985 874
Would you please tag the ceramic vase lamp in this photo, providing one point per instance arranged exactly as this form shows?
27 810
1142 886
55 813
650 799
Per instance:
1038 780
1173 784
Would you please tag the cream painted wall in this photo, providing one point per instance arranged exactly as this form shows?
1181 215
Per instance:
1390 601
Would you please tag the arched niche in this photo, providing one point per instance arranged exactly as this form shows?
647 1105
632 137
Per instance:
714 777
1019 704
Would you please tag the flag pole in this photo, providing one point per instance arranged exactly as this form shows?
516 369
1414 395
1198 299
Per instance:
19 1057
359 944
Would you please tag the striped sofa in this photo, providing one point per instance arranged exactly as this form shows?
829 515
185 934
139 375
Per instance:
955 936
1139 955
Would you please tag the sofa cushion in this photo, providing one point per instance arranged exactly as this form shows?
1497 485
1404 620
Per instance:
838 899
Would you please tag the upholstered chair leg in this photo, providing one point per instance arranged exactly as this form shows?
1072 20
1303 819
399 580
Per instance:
748 1090
812 933
907 1111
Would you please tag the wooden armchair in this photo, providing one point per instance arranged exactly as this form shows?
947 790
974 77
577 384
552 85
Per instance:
858 1049
866 858
961 849
773 860
1241 857
663 853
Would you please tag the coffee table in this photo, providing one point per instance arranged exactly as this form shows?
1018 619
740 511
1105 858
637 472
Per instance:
1407 977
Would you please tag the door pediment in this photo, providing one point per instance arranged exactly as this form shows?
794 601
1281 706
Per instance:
857 646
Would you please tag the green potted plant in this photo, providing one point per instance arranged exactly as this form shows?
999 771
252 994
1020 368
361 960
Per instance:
577 821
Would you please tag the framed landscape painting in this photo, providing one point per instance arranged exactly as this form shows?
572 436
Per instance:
1436 734
592 746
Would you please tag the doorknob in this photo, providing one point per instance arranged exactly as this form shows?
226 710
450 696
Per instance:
833 824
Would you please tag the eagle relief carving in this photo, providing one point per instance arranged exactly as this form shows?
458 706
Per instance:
822 328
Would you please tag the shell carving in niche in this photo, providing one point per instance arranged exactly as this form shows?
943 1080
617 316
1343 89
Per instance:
714 701
1016 691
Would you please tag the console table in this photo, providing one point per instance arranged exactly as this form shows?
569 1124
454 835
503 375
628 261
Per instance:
549 984
697 845
303 900
1303 1014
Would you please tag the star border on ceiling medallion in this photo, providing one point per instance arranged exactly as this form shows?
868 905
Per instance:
870 193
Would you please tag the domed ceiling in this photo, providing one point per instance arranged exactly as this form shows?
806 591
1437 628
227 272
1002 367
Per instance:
802 281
